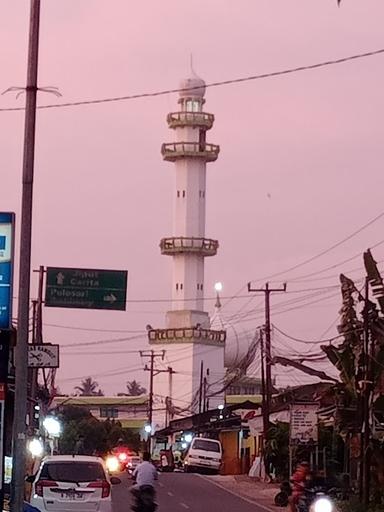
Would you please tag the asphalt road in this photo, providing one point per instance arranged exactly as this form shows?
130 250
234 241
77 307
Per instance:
180 492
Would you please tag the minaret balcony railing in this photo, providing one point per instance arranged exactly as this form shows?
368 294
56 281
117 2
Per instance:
194 119
181 244
175 150
187 335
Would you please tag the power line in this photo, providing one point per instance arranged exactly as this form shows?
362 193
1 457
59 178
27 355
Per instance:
102 342
325 251
92 329
212 84
330 267
310 342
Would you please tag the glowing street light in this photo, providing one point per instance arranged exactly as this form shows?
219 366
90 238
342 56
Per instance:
220 407
36 448
148 429
219 287
52 426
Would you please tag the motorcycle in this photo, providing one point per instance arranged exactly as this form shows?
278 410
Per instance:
282 497
145 499
315 500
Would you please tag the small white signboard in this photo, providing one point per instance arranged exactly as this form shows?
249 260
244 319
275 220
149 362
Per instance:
43 356
304 423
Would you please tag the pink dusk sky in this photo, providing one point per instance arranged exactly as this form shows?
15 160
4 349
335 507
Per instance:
300 167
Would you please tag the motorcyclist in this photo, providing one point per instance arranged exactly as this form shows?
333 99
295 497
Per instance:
299 480
145 476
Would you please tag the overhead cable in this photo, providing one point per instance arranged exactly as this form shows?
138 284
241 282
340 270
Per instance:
325 251
211 84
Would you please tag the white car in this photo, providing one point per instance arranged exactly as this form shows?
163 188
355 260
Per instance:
203 453
72 483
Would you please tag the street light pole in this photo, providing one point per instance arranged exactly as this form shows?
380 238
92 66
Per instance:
21 353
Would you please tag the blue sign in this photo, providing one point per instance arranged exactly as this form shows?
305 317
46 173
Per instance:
7 234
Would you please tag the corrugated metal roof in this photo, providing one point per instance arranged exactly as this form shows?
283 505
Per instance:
135 423
239 399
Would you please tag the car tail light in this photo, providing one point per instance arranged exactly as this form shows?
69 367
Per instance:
104 486
40 484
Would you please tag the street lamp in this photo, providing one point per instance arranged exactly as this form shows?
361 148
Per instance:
148 429
218 287
220 407
52 426
36 447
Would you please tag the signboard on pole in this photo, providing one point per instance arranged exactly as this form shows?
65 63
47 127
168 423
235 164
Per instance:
2 405
304 423
86 288
43 356
7 231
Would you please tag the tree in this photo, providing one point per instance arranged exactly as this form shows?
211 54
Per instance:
134 388
88 387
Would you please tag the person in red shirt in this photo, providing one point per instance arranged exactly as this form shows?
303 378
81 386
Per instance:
298 481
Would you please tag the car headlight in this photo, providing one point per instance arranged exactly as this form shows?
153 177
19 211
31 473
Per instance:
323 505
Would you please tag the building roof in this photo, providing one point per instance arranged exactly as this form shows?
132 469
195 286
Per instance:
192 87
239 345
134 423
100 400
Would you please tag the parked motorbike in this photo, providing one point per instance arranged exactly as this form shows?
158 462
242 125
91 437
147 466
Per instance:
145 499
282 497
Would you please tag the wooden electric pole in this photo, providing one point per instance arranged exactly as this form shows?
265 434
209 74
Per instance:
268 353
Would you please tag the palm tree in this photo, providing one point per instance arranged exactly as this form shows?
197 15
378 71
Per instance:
134 388
88 387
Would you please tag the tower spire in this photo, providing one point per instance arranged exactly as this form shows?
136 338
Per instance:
187 324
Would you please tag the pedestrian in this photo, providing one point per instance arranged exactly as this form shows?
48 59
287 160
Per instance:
79 446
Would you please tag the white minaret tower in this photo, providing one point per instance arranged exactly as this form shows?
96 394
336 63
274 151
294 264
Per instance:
194 351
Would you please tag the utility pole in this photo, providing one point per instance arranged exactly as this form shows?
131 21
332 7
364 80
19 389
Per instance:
268 355
152 355
201 386
21 353
268 352
366 395
264 397
37 336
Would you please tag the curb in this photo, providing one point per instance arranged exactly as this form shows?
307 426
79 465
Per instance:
234 493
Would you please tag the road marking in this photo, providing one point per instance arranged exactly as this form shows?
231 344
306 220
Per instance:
184 505
234 493
170 493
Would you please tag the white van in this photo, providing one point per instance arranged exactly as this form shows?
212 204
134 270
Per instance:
203 453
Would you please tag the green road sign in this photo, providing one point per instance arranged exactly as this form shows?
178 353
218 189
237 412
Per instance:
86 288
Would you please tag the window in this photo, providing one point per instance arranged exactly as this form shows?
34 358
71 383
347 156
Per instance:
73 471
178 193
177 286
183 193
109 412
192 106
205 445
181 286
